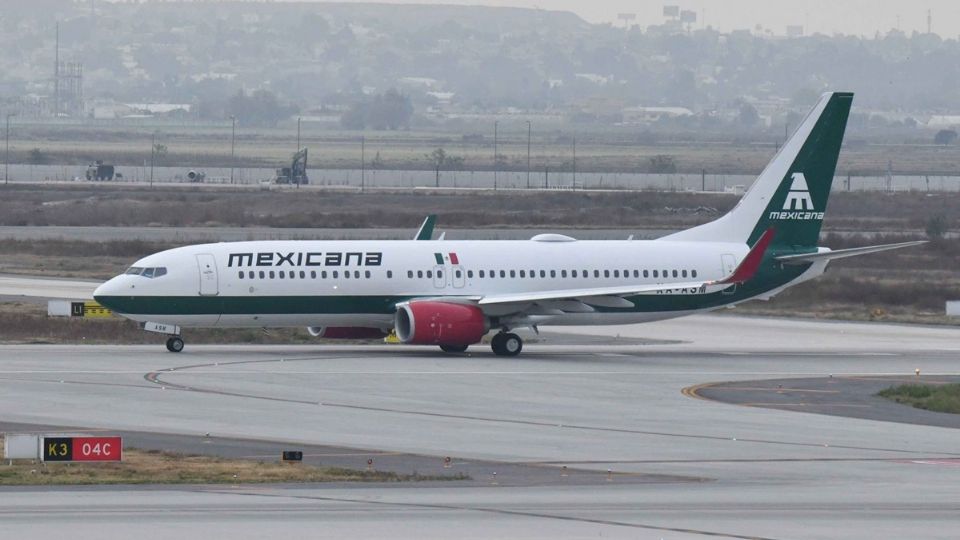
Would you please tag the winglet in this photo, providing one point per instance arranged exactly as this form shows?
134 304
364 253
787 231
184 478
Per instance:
751 263
426 229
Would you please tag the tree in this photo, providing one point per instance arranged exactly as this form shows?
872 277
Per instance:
439 159
390 110
945 137
260 109
748 115
936 227
36 157
662 163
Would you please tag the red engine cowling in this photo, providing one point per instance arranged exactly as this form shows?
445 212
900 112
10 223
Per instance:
440 323
346 332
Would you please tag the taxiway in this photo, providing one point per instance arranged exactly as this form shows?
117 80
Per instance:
609 403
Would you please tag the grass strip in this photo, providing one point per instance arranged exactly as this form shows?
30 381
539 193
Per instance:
158 467
941 398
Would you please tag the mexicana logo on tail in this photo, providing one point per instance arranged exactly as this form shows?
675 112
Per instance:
798 203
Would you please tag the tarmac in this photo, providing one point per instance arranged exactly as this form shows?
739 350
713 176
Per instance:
598 432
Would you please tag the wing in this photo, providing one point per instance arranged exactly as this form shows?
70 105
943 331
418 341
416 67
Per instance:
613 296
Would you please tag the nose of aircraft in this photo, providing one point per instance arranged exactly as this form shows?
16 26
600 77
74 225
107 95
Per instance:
107 290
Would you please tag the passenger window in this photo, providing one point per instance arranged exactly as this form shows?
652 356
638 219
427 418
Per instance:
356 274
389 274
241 274
636 273
656 273
646 273
366 274
430 274
459 273
585 274
335 274
410 274
513 273
606 273
323 274
684 273
616 273
543 273
523 273
262 275
573 273
469 273
313 274
693 273
596 273
675 273
282 274
272 275
303 274
665 273
420 274
439 273
503 273
481 273
346 274
553 273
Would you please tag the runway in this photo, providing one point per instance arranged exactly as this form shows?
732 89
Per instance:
716 470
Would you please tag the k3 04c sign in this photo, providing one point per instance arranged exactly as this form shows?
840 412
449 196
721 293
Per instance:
82 448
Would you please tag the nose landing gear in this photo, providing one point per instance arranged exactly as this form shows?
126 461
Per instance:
174 344
506 344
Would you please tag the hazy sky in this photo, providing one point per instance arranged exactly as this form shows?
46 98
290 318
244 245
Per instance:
861 17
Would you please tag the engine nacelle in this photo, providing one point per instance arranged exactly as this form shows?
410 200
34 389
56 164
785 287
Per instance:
346 332
195 176
440 323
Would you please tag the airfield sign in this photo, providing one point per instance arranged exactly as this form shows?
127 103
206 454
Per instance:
81 449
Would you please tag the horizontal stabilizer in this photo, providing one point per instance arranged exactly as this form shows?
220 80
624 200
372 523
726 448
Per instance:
844 253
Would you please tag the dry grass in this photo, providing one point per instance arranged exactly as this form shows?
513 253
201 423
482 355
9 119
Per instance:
155 467
615 151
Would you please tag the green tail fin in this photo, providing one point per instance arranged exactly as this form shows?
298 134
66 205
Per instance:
791 193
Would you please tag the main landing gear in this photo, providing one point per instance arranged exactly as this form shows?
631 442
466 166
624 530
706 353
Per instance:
174 344
454 348
506 344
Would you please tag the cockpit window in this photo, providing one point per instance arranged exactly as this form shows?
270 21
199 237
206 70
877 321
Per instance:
154 272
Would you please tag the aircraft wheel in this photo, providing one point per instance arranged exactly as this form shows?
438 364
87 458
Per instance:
454 348
505 344
512 344
175 344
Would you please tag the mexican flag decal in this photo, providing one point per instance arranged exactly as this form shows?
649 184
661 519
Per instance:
450 257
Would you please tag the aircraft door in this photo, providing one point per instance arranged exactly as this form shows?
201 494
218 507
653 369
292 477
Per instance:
728 264
209 281
439 276
458 276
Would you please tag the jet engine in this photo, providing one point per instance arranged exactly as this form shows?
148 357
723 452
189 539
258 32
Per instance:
346 332
195 176
440 323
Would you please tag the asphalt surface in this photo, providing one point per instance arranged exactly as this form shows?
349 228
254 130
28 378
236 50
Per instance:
851 395
680 467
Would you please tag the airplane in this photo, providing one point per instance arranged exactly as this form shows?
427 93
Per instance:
451 294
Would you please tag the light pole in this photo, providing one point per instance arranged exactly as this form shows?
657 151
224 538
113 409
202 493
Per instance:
528 153
153 150
496 162
363 163
298 133
233 142
574 161
6 159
